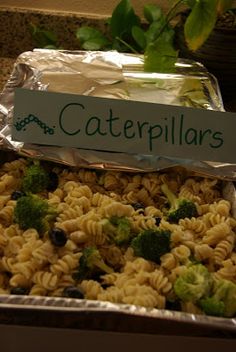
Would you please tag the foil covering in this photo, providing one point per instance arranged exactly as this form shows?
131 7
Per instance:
121 76
112 75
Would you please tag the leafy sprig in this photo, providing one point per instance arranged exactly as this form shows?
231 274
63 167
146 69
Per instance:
127 33
43 38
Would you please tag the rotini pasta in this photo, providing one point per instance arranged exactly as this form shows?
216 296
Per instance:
91 210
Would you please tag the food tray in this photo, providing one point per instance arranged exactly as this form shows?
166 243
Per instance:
46 70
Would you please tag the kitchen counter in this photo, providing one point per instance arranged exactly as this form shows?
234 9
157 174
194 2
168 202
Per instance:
6 66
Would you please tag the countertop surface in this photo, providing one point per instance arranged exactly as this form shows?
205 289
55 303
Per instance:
6 66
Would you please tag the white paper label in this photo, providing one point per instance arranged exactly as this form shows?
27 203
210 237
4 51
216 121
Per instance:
123 126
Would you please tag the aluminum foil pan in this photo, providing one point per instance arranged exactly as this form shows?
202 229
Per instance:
112 75
120 76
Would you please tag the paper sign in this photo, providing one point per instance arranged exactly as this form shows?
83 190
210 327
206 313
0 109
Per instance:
123 126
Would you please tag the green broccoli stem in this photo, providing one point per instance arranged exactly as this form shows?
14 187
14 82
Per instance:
172 199
101 265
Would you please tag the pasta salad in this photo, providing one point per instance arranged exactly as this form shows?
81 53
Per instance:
107 236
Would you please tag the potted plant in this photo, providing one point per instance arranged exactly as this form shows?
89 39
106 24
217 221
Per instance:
206 32
199 18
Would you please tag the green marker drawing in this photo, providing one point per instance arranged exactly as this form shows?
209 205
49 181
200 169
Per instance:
22 123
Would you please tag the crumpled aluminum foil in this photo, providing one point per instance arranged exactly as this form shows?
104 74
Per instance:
112 75
121 76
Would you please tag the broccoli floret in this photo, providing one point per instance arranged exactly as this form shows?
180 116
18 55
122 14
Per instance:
152 244
193 284
180 208
32 211
118 229
35 180
211 306
91 263
223 300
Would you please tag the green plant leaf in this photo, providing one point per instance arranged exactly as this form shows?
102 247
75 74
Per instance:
152 12
123 46
200 23
117 45
91 38
123 19
139 37
51 47
160 57
153 31
95 44
85 33
42 37
191 3
108 21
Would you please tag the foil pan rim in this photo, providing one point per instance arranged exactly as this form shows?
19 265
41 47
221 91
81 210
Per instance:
81 305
